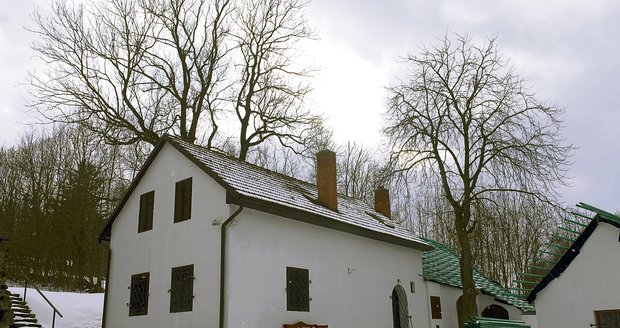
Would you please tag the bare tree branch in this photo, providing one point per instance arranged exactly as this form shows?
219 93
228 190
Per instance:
463 120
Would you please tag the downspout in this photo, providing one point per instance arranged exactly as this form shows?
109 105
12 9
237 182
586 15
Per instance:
107 284
223 262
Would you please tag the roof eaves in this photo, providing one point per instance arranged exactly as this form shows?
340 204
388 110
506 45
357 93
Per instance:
320 220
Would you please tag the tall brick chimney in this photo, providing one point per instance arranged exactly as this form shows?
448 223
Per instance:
382 201
326 179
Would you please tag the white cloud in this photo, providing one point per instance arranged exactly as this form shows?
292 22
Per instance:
349 90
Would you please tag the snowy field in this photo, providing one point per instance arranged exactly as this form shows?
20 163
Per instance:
79 310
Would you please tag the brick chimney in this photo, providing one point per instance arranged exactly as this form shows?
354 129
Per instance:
382 201
326 179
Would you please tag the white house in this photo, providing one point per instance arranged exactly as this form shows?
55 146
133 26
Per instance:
582 289
442 272
204 240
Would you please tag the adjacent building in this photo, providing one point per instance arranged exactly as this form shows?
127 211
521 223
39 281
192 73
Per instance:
442 272
582 288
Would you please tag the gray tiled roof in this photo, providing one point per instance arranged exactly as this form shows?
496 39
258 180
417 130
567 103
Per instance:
253 182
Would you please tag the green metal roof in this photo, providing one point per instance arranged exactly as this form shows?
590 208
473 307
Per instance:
603 215
442 265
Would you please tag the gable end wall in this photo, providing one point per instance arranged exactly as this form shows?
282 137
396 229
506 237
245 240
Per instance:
589 283
168 245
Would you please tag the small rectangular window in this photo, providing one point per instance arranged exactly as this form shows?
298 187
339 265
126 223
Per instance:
435 307
145 216
182 289
139 294
297 289
607 318
183 200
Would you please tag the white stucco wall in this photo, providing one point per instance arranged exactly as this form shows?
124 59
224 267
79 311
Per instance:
261 246
449 296
589 283
168 245
530 319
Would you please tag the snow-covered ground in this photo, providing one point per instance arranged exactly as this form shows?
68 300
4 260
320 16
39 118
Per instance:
78 310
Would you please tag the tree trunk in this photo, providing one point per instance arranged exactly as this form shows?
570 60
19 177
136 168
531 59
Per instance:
469 306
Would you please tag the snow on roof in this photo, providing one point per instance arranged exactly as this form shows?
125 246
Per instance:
256 187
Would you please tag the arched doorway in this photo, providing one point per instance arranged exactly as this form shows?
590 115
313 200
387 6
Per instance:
400 312
495 311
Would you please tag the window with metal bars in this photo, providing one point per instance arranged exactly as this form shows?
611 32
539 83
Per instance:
145 216
297 289
182 289
139 294
183 200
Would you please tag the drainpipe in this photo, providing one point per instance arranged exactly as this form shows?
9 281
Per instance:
223 262
107 287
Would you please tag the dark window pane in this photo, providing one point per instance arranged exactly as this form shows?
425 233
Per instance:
139 294
182 289
183 200
608 318
435 307
495 311
145 216
297 289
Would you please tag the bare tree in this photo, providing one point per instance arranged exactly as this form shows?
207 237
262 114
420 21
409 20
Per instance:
269 92
57 189
510 219
463 120
360 171
132 70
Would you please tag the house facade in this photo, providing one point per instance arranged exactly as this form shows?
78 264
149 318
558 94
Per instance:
204 240
441 272
582 289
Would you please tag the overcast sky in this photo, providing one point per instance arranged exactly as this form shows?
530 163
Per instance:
568 50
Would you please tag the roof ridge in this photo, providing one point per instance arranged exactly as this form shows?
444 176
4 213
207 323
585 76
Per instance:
231 157
220 152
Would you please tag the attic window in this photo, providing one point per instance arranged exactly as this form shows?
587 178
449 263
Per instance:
139 294
182 289
384 222
183 200
145 216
